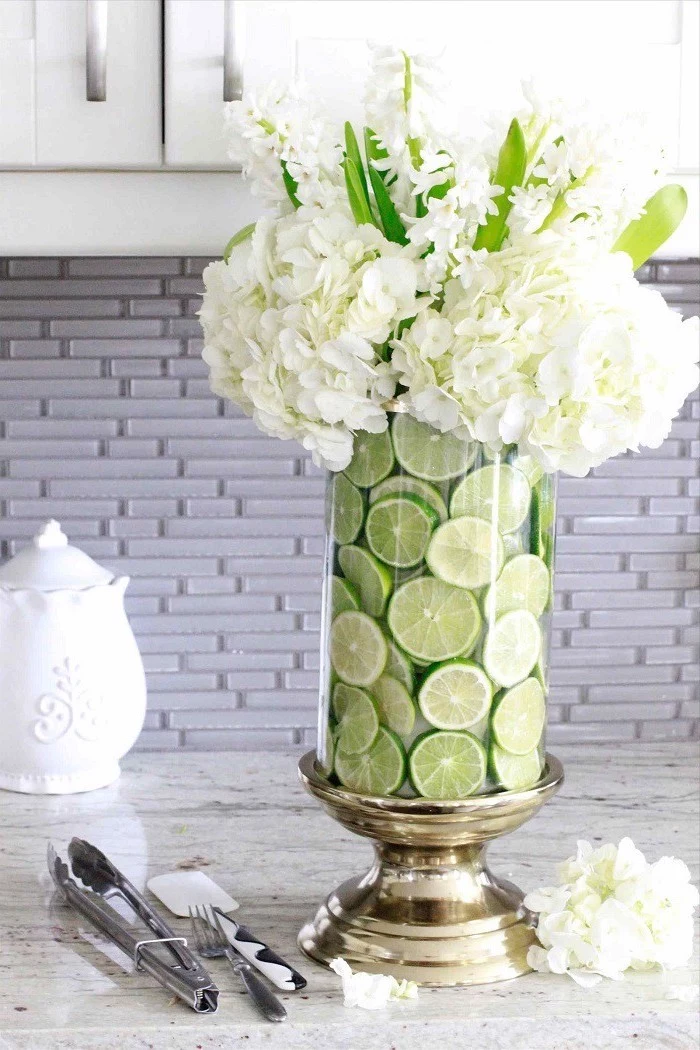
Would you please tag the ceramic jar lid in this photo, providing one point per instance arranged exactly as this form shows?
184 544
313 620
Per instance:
49 563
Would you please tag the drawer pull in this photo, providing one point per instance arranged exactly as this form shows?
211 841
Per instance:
233 51
96 50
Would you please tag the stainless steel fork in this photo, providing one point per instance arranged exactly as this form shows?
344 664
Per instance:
211 942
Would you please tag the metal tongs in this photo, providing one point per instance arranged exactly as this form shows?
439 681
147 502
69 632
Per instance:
165 956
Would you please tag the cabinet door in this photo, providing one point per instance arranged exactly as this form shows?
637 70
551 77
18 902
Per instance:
16 82
261 37
125 129
623 54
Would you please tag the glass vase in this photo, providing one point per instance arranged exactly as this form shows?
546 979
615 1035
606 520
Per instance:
435 629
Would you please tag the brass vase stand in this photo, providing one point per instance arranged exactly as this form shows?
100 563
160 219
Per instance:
429 909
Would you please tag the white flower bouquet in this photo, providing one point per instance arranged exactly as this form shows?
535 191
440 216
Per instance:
488 285
445 323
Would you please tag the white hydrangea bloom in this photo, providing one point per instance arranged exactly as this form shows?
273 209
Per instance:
294 321
613 912
555 347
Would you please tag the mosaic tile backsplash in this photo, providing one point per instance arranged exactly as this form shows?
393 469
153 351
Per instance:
107 423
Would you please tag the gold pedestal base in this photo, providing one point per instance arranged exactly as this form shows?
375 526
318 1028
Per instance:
428 909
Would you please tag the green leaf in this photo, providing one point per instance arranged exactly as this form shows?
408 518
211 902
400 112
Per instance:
358 202
510 172
390 219
290 185
352 150
238 238
663 214
421 207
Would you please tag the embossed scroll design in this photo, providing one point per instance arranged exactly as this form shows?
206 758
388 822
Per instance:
71 705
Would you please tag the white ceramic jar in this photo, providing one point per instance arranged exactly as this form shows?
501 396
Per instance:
72 685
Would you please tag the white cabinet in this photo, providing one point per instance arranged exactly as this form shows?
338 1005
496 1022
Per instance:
16 82
46 119
125 129
260 48
147 169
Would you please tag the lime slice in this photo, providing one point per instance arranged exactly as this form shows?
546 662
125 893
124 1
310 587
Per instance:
372 459
542 518
358 648
359 724
399 484
515 772
548 554
343 697
399 666
447 765
523 584
512 647
536 530
455 695
548 507
398 529
466 552
497 493
518 718
368 575
343 596
347 509
433 621
428 454
396 709
379 771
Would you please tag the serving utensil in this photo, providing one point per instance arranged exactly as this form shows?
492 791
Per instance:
165 956
211 942
270 964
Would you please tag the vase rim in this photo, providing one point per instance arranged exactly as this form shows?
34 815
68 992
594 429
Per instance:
550 781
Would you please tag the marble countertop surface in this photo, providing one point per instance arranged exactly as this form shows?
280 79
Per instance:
246 821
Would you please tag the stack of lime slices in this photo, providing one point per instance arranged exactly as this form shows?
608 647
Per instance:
441 575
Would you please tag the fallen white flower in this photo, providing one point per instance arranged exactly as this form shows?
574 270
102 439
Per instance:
613 911
685 993
371 991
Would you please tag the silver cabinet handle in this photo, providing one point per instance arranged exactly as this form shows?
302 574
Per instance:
233 51
96 50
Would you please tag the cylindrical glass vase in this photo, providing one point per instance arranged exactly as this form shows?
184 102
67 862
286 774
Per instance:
436 616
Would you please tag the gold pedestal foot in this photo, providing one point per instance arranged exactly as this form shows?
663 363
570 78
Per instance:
428 909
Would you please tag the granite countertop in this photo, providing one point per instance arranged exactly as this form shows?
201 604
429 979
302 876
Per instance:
245 820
